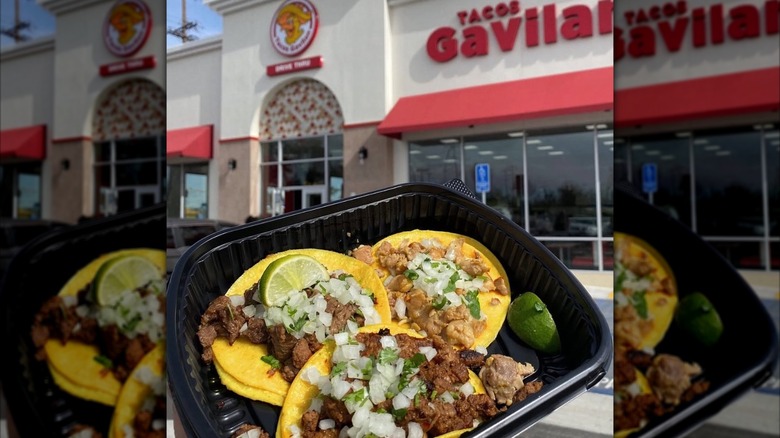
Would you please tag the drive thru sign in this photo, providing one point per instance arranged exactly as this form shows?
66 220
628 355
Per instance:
482 177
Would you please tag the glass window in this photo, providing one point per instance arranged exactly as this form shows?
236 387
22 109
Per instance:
303 148
174 190
621 163
606 178
132 179
728 203
335 146
434 162
304 174
21 190
277 195
196 193
561 184
772 147
136 149
269 152
671 156
505 157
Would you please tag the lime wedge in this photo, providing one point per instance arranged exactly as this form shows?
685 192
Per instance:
696 315
529 318
123 274
290 274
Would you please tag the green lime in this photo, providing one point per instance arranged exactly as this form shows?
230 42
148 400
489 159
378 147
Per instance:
697 316
289 274
529 318
123 274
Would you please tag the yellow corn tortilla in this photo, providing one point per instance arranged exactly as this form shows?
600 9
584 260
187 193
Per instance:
134 392
493 304
302 392
73 366
239 366
660 306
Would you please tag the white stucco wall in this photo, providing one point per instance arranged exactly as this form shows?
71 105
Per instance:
26 85
690 62
414 72
350 39
79 53
194 83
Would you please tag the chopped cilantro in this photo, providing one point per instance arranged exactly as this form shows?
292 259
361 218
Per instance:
639 303
343 277
439 302
388 356
471 300
103 360
621 277
368 370
130 325
297 325
410 365
356 397
230 311
271 360
451 285
338 369
411 274
399 414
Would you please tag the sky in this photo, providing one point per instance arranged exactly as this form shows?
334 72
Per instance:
42 23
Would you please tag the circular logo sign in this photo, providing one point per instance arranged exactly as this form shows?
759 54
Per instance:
294 27
127 27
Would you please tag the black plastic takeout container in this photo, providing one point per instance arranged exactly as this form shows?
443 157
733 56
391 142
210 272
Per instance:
744 356
38 272
208 268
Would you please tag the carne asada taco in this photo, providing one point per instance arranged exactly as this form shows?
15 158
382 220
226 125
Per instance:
102 322
280 311
645 294
442 284
383 382
140 408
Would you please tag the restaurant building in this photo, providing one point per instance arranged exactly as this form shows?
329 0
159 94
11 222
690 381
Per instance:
697 122
303 102
82 115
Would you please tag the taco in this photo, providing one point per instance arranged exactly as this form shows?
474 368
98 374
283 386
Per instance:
645 294
442 284
89 347
257 350
385 381
140 408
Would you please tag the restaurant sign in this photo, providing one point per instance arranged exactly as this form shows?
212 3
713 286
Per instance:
670 24
508 22
294 27
127 27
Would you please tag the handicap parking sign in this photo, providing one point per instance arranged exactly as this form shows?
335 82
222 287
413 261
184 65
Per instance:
482 177
649 178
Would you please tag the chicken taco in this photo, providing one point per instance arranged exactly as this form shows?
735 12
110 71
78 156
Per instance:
442 284
280 311
140 409
383 382
103 321
645 293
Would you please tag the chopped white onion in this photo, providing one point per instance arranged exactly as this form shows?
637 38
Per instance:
243 328
481 350
341 338
447 397
467 389
158 424
82 311
428 352
415 430
70 300
237 300
388 342
249 310
400 308
311 375
401 401
327 424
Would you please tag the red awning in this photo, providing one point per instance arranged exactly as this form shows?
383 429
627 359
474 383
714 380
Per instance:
190 142
555 95
28 142
723 95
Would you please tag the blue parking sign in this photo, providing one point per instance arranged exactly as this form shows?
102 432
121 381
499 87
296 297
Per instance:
649 178
482 177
